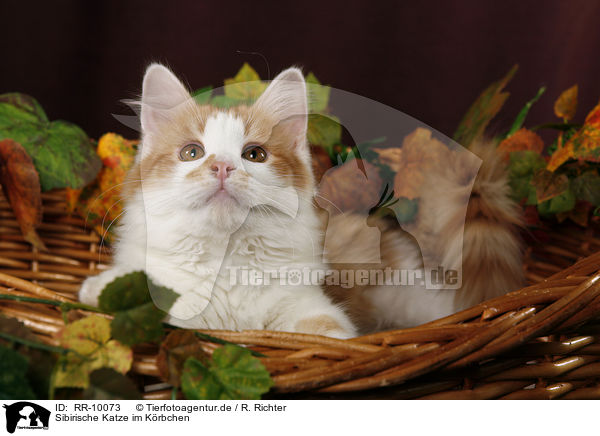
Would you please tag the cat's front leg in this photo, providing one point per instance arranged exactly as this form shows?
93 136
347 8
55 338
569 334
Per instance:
308 310
93 286
194 289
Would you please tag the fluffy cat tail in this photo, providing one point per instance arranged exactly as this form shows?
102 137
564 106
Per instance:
491 247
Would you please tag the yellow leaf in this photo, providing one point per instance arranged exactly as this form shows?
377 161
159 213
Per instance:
246 84
566 104
91 348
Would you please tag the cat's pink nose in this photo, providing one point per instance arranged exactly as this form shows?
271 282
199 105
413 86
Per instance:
222 169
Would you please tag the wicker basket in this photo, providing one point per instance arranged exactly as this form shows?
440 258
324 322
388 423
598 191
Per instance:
542 341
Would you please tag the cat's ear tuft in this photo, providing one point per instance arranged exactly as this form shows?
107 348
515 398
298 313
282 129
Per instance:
161 92
285 98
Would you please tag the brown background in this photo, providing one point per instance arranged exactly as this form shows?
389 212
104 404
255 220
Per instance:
429 59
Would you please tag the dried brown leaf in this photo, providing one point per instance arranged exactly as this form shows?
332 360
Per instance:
21 185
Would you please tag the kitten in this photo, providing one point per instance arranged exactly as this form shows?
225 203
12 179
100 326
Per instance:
489 252
214 191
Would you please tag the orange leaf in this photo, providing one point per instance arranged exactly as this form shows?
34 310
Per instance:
566 104
522 140
21 185
99 203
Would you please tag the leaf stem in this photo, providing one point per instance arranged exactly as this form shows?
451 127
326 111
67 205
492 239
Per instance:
63 305
33 344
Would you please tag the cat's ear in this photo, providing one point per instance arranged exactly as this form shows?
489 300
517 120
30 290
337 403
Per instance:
285 98
161 92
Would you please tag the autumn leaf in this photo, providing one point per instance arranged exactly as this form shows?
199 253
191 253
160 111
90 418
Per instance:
100 203
245 86
549 185
318 95
324 130
566 104
523 165
586 187
61 151
232 374
91 348
137 317
174 350
560 203
222 101
202 95
580 214
521 140
481 112
584 145
21 186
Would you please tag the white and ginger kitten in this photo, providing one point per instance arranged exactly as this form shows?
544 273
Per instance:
213 189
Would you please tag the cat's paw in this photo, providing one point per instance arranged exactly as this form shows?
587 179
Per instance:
90 290
93 286
188 306
327 326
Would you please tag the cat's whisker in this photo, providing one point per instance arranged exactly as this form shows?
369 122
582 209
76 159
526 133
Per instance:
106 233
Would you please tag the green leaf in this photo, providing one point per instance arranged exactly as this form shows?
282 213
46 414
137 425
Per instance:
587 187
481 112
562 203
518 123
324 130
231 374
62 153
202 95
522 166
137 317
13 381
108 384
26 104
223 101
318 95
245 86
138 324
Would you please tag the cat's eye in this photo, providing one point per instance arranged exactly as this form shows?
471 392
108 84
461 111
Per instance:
254 153
191 152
